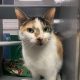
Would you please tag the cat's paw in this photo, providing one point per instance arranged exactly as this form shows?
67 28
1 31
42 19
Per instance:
58 77
26 79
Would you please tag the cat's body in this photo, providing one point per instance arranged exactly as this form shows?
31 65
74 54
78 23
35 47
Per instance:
42 50
43 61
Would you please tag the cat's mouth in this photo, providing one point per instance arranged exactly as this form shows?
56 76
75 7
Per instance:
40 42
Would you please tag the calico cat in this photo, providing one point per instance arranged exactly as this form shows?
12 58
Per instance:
42 50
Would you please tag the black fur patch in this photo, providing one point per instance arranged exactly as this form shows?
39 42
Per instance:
44 21
33 18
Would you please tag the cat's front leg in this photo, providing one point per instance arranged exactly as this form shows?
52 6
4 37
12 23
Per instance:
35 75
58 77
51 77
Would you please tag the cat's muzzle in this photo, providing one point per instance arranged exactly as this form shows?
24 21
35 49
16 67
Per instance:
39 41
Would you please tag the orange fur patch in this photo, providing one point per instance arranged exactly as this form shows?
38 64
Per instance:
28 25
59 46
37 32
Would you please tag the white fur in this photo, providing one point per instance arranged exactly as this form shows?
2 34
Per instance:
31 38
41 60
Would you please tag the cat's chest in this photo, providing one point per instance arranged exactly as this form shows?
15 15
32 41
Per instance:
39 59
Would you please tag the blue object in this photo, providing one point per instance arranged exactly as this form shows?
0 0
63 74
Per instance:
6 49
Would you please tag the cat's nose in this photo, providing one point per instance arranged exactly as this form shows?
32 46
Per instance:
39 39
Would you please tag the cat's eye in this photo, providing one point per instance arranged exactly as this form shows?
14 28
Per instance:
47 29
31 30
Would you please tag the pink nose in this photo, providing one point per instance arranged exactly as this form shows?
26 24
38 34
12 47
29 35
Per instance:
39 39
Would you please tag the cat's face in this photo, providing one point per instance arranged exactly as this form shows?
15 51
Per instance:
36 30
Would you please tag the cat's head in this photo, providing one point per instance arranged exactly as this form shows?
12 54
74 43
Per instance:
35 30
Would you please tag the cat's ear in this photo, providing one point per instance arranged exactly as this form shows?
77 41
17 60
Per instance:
49 15
21 16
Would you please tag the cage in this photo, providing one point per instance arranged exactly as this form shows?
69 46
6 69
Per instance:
66 22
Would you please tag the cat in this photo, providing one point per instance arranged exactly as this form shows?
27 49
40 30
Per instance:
42 50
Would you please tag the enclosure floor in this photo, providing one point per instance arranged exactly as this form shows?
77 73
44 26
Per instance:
12 78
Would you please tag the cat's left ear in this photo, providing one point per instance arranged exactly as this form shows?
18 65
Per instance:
21 16
49 15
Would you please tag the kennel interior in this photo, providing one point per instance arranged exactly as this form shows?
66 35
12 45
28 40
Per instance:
65 23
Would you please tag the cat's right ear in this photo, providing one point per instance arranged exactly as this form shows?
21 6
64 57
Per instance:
21 16
49 15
